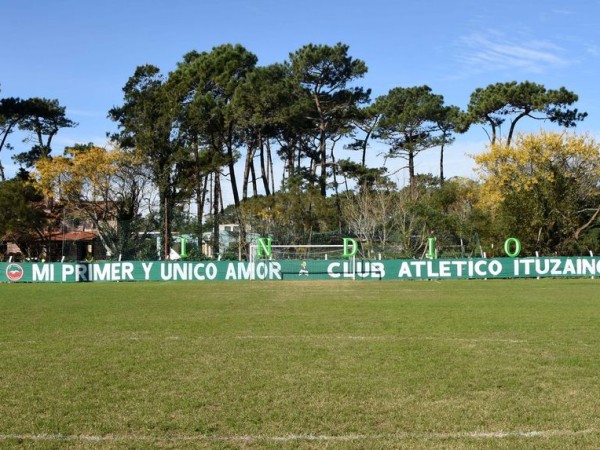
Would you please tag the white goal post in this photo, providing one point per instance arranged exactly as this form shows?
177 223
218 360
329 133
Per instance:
263 249
298 251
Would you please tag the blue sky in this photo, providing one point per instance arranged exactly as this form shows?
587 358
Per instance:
83 52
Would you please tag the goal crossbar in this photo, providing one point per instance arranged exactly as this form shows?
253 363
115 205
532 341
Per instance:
335 248
307 246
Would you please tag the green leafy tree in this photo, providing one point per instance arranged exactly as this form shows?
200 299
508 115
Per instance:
366 177
266 105
42 119
205 85
410 123
325 72
12 111
364 127
512 101
292 216
449 121
451 214
147 126
23 219
365 122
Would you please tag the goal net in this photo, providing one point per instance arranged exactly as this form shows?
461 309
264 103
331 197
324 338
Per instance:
315 261
265 248
299 252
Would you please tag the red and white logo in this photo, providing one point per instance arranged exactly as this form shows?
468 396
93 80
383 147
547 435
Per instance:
14 272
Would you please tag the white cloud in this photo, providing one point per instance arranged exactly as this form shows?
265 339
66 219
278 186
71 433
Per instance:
563 12
592 49
490 52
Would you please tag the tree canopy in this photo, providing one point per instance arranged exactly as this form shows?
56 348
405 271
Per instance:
23 219
221 128
512 101
325 73
412 120
40 118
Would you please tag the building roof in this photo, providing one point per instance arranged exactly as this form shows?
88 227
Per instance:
72 236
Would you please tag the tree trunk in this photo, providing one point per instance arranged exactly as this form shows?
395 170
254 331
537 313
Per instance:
231 165
166 208
512 127
442 164
364 146
493 125
323 163
216 215
253 177
411 173
587 224
270 169
200 199
248 169
263 167
6 132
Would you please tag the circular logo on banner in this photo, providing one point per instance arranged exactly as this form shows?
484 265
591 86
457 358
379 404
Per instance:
14 272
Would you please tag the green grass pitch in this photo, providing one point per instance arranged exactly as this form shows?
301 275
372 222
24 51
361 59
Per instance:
454 364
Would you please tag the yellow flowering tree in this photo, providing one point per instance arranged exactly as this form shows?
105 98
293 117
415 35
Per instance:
543 189
108 187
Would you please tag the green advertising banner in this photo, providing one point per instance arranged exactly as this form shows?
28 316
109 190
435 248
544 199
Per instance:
355 269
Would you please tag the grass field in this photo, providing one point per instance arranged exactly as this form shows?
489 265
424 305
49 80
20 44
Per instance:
455 364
